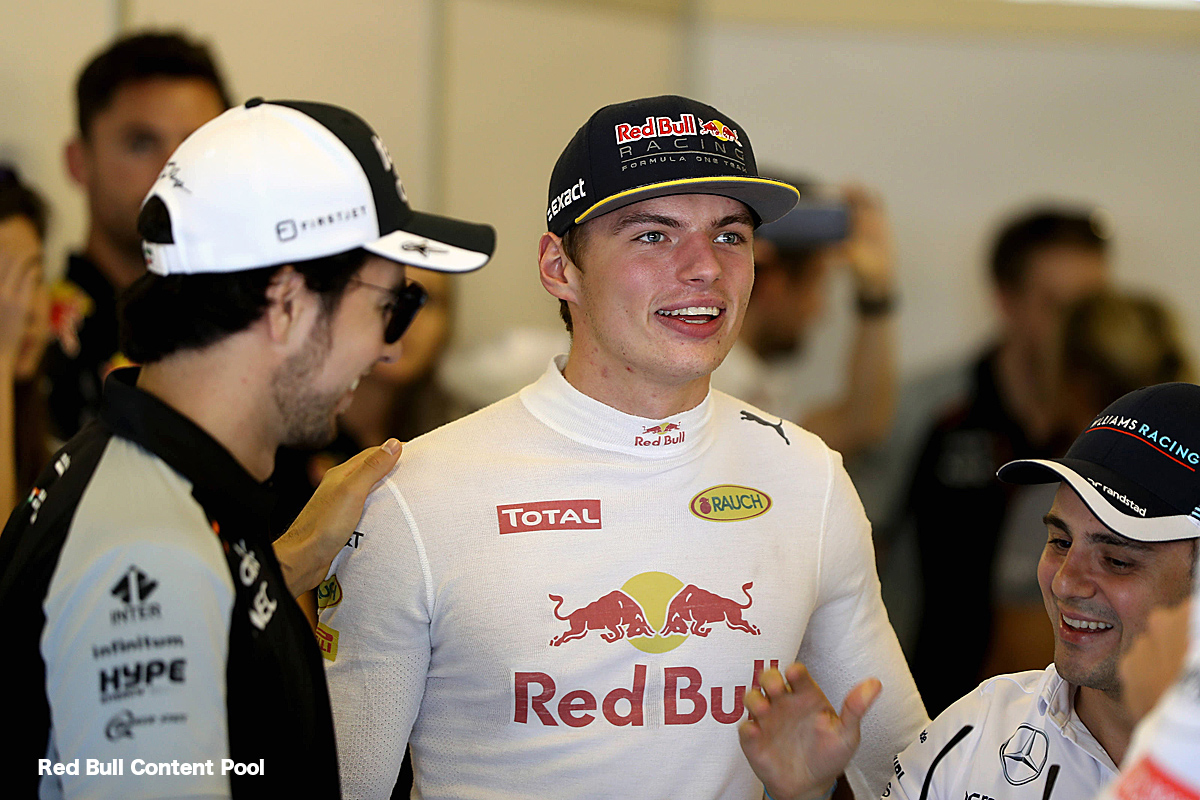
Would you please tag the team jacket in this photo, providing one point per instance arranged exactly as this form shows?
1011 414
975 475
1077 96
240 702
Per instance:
554 599
1025 742
154 621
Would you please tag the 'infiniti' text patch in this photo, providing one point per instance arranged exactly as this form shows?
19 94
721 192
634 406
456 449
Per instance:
549 515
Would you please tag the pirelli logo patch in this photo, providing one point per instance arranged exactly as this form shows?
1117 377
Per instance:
327 640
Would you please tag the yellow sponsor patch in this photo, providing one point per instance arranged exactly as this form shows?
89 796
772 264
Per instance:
730 503
329 593
327 639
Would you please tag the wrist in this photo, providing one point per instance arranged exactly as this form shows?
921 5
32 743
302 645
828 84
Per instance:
826 795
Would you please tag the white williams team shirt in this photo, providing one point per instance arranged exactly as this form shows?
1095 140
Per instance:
1026 741
553 599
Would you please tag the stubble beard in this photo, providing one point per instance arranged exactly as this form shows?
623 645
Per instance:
307 415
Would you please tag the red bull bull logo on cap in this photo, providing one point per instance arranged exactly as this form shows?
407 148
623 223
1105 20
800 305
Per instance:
720 130
661 435
730 503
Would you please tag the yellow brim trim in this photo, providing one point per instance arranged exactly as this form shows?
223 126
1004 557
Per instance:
684 182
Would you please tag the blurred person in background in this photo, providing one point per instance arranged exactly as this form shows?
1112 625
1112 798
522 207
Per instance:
24 333
1110 344
1042 261
135 102
793 258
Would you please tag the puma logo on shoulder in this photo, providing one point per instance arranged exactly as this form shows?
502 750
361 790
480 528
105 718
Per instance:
778 426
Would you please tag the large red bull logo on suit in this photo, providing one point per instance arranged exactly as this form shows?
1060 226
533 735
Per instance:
659 435
654 612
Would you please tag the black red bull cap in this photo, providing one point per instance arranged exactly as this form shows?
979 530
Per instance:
1137 467
653 147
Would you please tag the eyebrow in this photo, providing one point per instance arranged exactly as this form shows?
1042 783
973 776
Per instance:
1098 537
645 218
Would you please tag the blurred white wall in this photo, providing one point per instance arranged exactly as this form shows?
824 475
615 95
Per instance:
958 131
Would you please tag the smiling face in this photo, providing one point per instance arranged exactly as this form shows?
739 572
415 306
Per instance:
316 384
1099 589
659 298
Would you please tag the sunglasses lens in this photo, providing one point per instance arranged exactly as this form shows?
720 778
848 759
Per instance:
408 302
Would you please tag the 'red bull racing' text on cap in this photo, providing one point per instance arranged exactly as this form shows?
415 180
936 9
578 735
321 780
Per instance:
653 147
1137 467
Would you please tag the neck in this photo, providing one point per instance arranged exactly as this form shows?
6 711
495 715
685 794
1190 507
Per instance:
119 265
226 396
1024 391
1106 718
630 394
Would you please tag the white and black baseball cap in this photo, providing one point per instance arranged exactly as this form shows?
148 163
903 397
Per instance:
271 183
653 147
1137 467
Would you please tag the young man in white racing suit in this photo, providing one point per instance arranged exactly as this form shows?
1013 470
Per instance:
575 598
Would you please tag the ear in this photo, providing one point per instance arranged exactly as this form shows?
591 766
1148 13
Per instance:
558 273
292 308
76 157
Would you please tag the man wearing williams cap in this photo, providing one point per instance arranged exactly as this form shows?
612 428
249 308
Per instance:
568 593
161 628
1121 540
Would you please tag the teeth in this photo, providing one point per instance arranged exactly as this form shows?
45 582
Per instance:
354 385
1084 625
693 311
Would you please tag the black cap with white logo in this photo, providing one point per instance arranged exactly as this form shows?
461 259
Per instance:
270 183
653 147
1137 467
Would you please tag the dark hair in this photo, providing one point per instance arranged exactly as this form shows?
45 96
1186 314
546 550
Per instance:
161 315
1039 229
140 57
573 242
18 200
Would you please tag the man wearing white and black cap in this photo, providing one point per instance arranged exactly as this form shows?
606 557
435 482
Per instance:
1121 541
160 644
567 594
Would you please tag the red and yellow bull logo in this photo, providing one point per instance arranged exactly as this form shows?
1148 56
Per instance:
720 130
730 503
666 433
654 612
655 127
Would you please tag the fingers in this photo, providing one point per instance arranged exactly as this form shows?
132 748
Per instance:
371 466
858 701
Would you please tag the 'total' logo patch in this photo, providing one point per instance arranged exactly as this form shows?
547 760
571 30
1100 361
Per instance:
549 515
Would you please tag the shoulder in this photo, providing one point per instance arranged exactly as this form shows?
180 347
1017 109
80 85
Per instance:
762 429
980 721
135 500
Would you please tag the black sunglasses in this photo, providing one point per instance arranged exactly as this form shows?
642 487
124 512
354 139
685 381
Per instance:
406 302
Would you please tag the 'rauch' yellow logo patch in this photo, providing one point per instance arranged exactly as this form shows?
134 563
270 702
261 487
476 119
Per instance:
329 593
729 503
327 640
